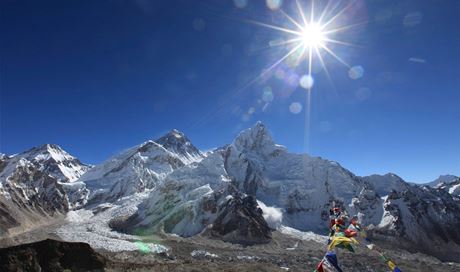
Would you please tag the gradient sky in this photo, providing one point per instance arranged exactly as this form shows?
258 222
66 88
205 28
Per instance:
99 76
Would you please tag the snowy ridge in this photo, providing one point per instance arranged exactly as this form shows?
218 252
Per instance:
425 217
186 202
50 159
169 186
293 191
177 143
46 176
296 189
453 187
141 167
303 186
385 184
445 179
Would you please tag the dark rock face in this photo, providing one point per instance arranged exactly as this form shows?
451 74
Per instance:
240 221
51 255
39 191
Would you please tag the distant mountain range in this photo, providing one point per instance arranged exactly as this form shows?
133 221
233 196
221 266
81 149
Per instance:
239 193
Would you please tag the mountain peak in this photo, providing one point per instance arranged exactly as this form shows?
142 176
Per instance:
175 141
256 137
45 152
177 133
446 179
50 148
53 160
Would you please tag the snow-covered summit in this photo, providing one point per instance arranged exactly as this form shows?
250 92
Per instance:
446 179
453 187
256 139
301 186
51 159
138 168
43 179
384 184
176 142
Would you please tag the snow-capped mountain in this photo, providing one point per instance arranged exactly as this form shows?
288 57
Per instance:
176 142
442 179
453 187
238 192
300 188
422 218
39 183
385 184
48 160
141 167
186 202
303 186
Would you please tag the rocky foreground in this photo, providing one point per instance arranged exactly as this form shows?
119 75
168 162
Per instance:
283 253
51 255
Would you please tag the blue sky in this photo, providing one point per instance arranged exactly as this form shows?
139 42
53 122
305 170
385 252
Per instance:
98 76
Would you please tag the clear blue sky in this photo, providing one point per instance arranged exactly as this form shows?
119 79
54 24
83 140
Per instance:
98 76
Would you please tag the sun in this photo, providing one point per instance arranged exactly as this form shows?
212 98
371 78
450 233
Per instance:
309 36
312 36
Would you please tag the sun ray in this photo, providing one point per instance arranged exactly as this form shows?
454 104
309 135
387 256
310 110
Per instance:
299 7
323 13
335 56
341 42
280 43
220 106
337 15
310 59
281 59
286 30
343 28
323 65
312 12
299 59
299 26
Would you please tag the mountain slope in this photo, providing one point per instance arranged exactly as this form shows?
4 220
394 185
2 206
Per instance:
140 168
50 159
422 219
385 184
39 184
452 187
302 187
177 143
442 179
299 187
